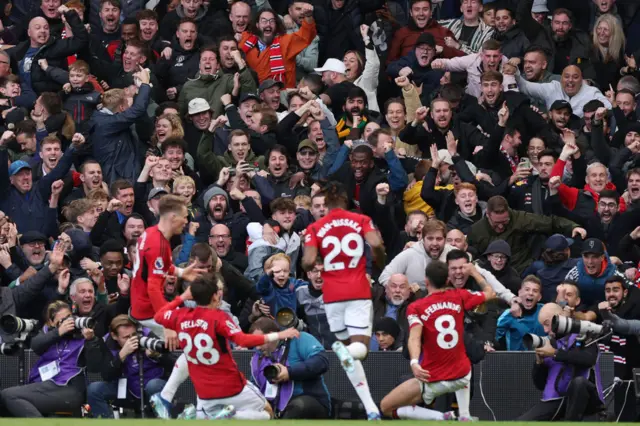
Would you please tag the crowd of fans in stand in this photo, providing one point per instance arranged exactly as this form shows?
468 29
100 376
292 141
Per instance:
504 134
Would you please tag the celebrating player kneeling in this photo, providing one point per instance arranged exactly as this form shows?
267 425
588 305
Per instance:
437 323
339 239
204 333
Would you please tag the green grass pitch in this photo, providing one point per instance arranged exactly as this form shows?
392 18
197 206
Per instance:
151 422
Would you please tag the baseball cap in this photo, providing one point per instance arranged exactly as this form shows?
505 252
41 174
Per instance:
445 157
540 6
307 144
198 105
246 96
32 237
558 242
332 64
155 192
593 245
268 84
16 166
426 38
561 104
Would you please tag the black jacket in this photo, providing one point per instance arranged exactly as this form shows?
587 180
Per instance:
367 187
55 51
182 65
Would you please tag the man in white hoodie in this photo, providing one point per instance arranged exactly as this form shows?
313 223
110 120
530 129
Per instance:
413 260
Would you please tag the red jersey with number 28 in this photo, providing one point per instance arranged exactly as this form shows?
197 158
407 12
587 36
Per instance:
441 315
204 336
339 238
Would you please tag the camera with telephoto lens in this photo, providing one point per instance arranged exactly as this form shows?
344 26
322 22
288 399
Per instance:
287 318
271 372
152 343
83 322
533 341
563 326
12 324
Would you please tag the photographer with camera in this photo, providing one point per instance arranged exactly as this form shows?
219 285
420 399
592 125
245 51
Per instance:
19 300
289 374
562 369
83 296
624 302
57 381
116 358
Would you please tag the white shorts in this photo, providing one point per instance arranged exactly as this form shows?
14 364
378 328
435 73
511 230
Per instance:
249 399
152 325
432 390
350 318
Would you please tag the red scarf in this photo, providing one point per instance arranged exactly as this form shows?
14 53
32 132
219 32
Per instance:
513 161
275 56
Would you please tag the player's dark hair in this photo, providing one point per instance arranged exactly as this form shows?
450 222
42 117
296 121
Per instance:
437 274
457 254
335 196
548 153
204 287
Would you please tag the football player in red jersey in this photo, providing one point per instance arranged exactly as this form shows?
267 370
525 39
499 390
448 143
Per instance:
338 238
152 264
436 333
205 331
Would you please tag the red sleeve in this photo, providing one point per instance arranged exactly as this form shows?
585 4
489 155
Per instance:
158 260
165 316
75 176
412 316
310 238
568 195
367 226
232 332
471 299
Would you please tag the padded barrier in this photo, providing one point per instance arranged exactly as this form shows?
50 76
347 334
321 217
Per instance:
506 379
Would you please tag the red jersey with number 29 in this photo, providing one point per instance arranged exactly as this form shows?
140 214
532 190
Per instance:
339 238
441 315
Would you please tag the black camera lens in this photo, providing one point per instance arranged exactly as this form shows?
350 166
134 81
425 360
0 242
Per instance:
271 372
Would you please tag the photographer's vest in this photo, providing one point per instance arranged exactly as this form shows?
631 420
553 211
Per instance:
131 368
64 356
560 374
285 389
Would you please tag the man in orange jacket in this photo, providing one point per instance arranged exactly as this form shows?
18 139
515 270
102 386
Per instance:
271 52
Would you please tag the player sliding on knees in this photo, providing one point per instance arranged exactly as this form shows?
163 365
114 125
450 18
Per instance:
437 325
339 239
204 332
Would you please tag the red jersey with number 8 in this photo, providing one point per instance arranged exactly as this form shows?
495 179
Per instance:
339 238
441 315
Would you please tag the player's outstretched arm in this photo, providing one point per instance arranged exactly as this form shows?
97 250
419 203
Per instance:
374 240
476 275
164 317
309 257
252 340
414 345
